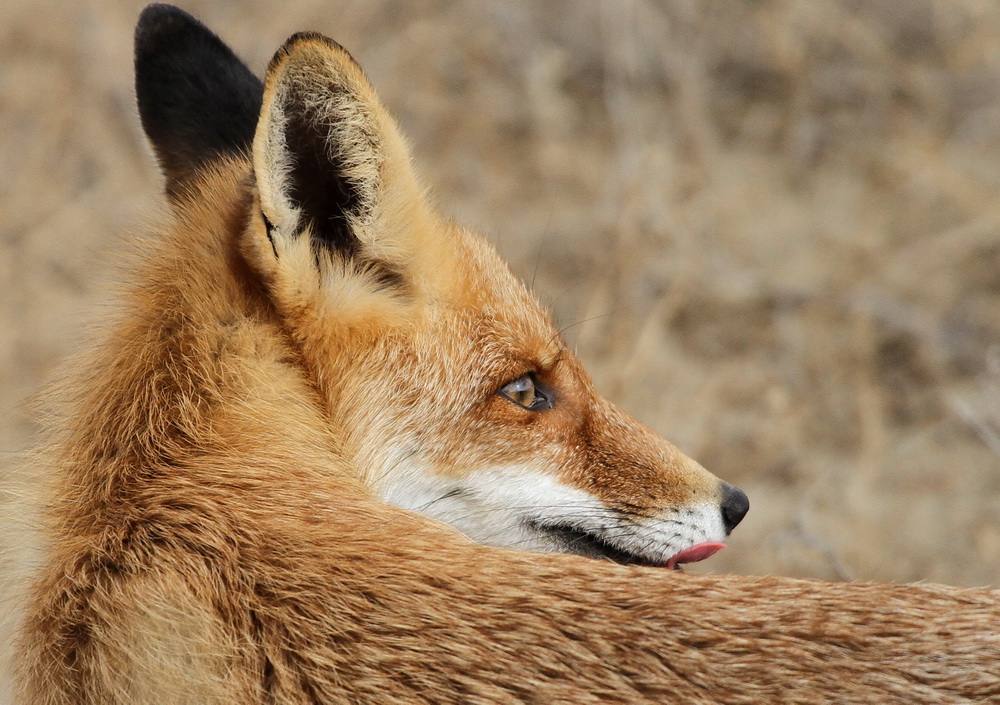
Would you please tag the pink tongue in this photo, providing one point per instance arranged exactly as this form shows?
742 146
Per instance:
698 552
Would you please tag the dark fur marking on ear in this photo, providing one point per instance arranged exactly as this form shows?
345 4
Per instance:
318 186
197 100
269 231
387 276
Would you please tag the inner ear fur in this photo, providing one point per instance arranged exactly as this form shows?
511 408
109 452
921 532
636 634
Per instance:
322 148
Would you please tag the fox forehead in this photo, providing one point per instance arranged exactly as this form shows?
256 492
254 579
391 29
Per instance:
489 346
499 316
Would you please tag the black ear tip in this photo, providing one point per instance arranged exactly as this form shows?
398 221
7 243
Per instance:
305 38
300 37
156 10
157 22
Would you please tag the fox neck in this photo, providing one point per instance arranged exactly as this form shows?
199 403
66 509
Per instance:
198 338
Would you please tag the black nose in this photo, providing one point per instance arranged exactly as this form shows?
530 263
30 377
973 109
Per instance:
735 505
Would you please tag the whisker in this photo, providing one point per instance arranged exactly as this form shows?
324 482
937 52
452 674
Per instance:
541 247
447 495
593 318
389 470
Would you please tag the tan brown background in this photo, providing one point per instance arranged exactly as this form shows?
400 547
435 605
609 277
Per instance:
771 228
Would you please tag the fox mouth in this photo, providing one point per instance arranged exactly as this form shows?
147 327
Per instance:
584 543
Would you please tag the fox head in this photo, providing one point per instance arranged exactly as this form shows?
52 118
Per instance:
447 386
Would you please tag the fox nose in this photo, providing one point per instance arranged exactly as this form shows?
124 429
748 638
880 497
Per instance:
735 505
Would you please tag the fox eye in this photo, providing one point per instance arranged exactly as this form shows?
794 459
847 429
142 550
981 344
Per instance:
524 392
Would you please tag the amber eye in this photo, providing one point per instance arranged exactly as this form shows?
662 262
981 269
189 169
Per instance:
524 392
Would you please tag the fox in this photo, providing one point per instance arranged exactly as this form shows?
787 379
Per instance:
332 450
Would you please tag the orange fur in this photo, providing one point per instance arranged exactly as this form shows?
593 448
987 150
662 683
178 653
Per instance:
214 532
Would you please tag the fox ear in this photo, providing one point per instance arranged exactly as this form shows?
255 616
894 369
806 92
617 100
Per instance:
329 162
197 100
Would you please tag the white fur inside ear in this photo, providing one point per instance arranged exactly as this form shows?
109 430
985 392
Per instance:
272 167
352 140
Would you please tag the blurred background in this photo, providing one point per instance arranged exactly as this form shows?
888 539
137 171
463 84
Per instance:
770 228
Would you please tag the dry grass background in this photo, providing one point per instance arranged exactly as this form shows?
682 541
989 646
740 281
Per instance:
772 228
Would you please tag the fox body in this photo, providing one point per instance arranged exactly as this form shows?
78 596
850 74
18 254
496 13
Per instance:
308 342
